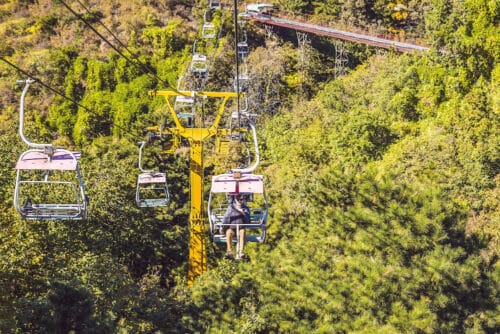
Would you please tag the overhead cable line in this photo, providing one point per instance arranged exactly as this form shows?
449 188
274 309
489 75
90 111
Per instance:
43 84
125 131
216 45
109 31
138 64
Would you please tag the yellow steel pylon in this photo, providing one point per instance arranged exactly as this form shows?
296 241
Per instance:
196 138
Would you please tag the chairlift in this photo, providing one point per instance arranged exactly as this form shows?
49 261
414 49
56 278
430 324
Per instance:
208 30
214 4
243 19
49 183
184 107
239 181
242 49
199 66
152 188
252 187
242 82
243 109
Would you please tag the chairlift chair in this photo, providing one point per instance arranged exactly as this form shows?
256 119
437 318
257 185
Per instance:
49 182
243 111
184 107
152 187
243 19
199 66
243 50
252 187
215 4
242 82
49 185
208 30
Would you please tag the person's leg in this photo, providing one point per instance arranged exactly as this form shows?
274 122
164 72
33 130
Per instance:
241 242
229 242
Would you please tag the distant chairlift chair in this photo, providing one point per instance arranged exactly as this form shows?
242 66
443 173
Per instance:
152 188
208 30
199 66
241 83
243 19
215 4
243 50
184 107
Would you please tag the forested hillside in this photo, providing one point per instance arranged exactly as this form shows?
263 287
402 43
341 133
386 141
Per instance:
383 183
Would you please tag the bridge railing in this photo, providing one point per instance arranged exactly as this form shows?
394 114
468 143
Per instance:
374 31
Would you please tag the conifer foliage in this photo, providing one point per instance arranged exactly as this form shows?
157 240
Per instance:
383 186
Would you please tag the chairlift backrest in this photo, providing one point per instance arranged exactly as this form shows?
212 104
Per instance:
38 160
247 183
184 100
152 177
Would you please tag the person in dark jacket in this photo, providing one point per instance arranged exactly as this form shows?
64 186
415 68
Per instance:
237 214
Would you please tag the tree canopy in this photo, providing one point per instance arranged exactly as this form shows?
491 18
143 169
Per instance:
382 182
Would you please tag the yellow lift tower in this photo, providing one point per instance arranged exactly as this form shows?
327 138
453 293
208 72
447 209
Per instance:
196 138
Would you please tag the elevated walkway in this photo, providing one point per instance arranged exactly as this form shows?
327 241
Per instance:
339 34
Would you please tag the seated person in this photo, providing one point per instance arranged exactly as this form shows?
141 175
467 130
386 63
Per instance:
236 214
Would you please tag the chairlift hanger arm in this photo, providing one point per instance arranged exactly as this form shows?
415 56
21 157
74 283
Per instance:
257 154
141 148
27 83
